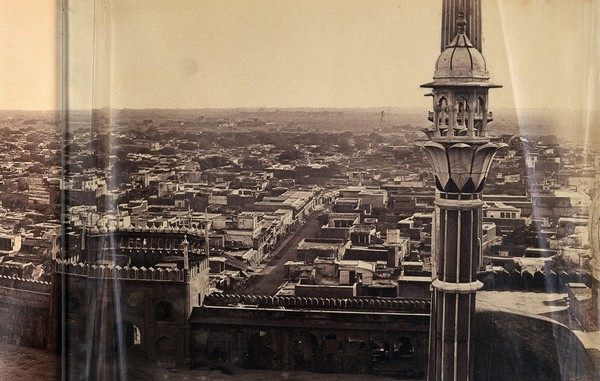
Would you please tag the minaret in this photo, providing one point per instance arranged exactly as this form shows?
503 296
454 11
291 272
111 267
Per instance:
461 153
186 256
472 12
206 234
594 235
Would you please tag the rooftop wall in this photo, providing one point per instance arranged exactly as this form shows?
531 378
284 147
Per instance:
132 273
25 284
292 302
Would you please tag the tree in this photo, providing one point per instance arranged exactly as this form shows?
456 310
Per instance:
252 163
167 151
36 168
212 162
375 137
151 131
12 201
44 209
289 155
22 184
89 162
346 141
189 146
22 223
403 154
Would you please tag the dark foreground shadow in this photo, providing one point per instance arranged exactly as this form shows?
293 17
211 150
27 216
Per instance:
515 347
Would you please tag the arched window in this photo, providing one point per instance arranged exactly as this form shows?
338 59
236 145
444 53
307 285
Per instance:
137 335
467 113
128 334
462 108
331 343
443 115
164 311
403 348
480 105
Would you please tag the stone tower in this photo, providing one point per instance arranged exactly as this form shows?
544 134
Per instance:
128 296
461 153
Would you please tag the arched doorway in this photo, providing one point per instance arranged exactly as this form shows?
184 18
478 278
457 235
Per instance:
260 350
128 340
216 347
331 360
304 346
163 311
165 348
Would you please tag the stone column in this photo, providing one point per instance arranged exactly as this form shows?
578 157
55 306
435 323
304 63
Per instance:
454 287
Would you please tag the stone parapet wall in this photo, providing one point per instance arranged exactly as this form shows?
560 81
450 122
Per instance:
133 273
25 284
263 301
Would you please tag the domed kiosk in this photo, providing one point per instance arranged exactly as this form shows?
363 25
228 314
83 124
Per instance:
460 59
460 90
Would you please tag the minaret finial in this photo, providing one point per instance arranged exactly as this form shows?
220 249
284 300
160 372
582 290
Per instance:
461 22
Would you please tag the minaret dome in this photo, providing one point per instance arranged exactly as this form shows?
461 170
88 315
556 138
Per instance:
461 59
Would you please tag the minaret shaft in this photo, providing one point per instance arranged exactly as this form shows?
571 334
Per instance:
453 297
472 11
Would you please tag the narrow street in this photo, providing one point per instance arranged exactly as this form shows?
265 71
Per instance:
267 281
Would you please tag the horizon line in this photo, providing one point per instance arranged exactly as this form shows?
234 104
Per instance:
273 108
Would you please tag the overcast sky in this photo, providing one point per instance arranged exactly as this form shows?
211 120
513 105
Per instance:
288 53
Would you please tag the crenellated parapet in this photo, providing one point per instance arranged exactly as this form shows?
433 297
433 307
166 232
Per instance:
294 302
25 284
149 227
157 274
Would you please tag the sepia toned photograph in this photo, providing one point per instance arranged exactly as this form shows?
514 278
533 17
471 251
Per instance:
300 190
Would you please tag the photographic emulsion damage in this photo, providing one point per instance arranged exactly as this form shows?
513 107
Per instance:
300 190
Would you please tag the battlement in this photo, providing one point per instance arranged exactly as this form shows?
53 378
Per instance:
25 284
149 227
294 302
131 273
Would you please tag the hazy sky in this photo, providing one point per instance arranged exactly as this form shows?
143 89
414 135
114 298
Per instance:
29 54
288 53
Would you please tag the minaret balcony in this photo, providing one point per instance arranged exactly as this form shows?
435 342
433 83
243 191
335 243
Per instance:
460 165
477 117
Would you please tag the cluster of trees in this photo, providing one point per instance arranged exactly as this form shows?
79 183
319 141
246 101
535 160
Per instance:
290 155
284 143
410 154
214 161
281 140
14 201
